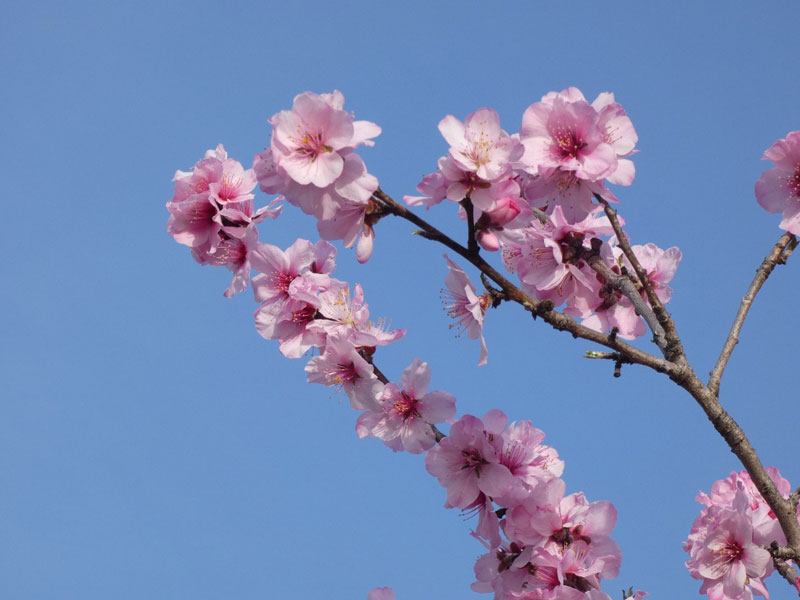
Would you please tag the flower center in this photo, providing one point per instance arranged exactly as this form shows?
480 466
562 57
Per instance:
229 188
568 142
342 373
311 145
793 182
405 406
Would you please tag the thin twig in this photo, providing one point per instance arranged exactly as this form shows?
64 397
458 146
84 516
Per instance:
625 286
543 309
472 242
676 367
674 350
778 255
780 558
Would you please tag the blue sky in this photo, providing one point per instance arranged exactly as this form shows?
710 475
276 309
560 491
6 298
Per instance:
153 445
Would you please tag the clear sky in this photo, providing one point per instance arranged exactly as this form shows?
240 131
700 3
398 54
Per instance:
153 445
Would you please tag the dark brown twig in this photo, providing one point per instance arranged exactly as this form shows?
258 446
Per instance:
472 242
543 309
675 365
778 255
625 286
780 558
674 349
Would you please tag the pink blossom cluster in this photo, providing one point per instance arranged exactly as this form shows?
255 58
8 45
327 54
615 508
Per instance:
726 542
532 194
311 162
212 212
778 189
541 543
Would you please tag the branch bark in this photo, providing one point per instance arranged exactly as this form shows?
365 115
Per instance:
674 349
778 255
675 364
542 309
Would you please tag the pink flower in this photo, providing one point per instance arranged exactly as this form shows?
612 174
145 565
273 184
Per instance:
347 316
465 306
278 269
616 310
620 134
433 188
567 135
467 462
731 556
383 593
234 186
340 365
310 141
234 254
479 145
562 188
547 258
408 411
192 213
778 189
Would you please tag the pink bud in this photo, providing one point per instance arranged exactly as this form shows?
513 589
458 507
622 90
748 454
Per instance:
488 240
505 210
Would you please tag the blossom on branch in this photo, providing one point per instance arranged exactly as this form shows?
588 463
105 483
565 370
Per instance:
778 189
407 412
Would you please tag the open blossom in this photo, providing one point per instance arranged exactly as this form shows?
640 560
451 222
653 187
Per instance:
311 139
340 365
614 309
479 144
547 258
730 564
562 188
342 207
725 544
347 316
465 306
566 135
212 212
778 189
467 461
563 131
407 412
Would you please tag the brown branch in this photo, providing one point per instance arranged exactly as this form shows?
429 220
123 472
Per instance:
674 350
543 309
472 242
778 255
676 366
737 441
780 558
625 286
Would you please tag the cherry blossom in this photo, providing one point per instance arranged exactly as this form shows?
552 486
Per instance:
465 306
778 189
479 145
340 365
467 461
408 411
310 140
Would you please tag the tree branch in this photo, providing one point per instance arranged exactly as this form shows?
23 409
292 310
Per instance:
674 350
675 366
778 255
472 242
543 309
781 558
625 286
